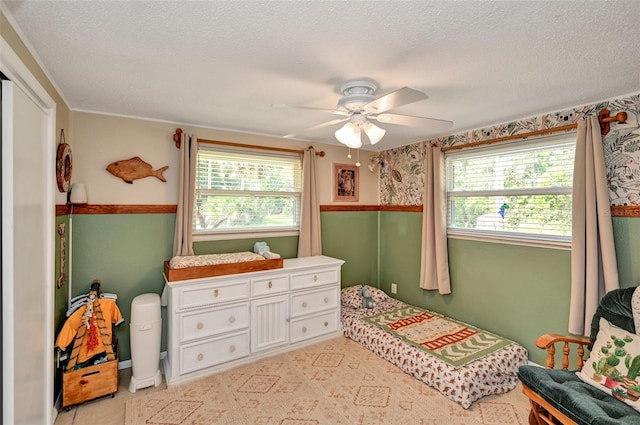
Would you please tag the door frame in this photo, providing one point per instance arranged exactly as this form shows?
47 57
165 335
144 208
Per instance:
12 66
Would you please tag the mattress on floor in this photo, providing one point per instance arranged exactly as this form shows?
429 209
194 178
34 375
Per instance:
494 373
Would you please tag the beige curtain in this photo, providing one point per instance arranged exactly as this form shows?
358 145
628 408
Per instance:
310 240
434 264
183 238
593 257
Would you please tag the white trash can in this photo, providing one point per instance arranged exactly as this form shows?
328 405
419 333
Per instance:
145 333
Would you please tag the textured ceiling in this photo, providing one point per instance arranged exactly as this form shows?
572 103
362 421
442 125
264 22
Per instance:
223 64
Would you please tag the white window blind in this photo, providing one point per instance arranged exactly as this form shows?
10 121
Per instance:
246 191
515 190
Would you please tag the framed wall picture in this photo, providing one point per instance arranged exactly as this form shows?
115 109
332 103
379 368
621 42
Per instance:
345 182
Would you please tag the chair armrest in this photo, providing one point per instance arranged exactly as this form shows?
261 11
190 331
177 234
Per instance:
548 341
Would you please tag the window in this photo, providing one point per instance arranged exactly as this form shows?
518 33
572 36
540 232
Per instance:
516 192
252 192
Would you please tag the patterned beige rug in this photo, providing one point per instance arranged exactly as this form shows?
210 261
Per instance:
331 383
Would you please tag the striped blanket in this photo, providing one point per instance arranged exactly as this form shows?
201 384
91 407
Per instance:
447 339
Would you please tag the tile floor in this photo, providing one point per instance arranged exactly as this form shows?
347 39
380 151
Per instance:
105 410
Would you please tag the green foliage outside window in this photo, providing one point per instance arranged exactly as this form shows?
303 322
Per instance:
242 192
517 192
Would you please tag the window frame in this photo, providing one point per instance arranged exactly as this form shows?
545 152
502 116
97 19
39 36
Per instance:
252 232
511 238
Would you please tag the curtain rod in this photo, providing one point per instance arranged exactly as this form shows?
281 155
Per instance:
176 139
603 118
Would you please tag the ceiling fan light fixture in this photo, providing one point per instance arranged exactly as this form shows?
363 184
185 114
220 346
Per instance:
349 135
374 133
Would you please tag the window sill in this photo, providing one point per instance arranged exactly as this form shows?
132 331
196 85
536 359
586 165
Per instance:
247 234
511 240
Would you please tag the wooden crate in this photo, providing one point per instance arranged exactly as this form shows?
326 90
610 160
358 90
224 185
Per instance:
90 382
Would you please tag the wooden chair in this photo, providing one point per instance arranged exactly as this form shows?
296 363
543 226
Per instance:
616 308
541 411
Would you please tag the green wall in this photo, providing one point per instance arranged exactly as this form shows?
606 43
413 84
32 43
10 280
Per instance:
517 291
126 253
502 288
287 246
626 232
353 237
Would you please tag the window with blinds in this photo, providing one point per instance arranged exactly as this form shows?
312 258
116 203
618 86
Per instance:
246 191
512 191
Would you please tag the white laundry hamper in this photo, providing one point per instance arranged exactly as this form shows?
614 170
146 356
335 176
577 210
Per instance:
145 333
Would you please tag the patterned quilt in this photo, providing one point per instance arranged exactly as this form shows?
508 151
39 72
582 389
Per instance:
454 342
494 373
181 262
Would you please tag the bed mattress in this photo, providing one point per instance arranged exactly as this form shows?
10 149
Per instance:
495 373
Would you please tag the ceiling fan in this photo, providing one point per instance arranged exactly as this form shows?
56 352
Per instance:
359 106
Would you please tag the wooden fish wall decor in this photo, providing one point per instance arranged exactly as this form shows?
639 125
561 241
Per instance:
135 168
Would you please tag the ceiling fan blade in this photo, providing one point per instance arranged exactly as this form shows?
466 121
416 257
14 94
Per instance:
315 127
310 108
395 99
420 122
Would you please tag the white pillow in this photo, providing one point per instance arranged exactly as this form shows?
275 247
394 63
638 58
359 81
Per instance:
350 296
614 364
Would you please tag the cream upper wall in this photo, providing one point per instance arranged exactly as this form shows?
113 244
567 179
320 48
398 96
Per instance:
97 140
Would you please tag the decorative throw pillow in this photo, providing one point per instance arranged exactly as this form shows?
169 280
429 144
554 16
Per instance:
350 296
614 364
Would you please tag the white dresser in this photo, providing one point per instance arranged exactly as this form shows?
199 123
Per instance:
216 323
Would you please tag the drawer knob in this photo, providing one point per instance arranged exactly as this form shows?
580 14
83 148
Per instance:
200 357
304 304
232 319
232 348
200 325
326 324
216 293
315 278
326 300
270 285
304 329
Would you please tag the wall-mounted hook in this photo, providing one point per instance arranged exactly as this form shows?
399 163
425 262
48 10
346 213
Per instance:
177 137
606 120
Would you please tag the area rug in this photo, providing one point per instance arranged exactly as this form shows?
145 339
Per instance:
449 340
331 383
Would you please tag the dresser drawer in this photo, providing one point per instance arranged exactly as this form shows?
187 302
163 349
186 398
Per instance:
207 294
208 353
313 301
205 323
269 286
315 278
310 327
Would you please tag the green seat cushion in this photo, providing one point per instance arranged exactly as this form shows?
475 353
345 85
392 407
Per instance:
581 402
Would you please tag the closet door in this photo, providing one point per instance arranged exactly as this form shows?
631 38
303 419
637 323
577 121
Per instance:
28 219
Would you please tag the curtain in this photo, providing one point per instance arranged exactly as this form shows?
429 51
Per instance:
183 238
434 263
310 240
593 257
